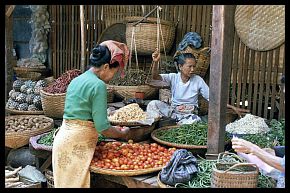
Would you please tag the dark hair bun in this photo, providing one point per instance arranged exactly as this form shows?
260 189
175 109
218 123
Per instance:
98 52
100 55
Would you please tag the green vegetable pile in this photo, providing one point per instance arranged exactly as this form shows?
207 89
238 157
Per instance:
48 138
203 177
188 134
276 136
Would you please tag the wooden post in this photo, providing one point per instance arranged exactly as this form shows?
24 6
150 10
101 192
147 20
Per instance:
82 38
9 61
220 65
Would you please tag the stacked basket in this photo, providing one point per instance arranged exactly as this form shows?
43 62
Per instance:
53 104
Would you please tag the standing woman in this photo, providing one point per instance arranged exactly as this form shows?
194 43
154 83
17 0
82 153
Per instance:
85 116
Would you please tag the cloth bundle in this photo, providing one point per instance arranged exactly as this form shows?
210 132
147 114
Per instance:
180 169
191 38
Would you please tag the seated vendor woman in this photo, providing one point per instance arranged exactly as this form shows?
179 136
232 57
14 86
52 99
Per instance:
185 87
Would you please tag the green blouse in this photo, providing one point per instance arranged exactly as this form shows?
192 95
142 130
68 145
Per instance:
86 99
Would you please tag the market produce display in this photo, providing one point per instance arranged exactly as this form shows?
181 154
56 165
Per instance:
274 137
47 139
60 85
249 124
26 123
204 175
131 78
130 156
25 95
188 134
128 113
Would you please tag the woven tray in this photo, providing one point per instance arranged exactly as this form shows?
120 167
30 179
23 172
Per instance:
161 184
124 172
133 123
19 139
17 112
176 145
261 27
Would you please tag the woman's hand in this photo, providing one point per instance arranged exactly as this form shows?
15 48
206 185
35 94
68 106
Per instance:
243 146
156 55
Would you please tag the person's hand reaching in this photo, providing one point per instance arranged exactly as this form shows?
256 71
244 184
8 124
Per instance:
156 55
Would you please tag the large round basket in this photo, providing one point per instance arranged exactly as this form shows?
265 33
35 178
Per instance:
19 139
239 175
52 104
127 92
161 184
176 145
202 57
146 34
17 112
123 172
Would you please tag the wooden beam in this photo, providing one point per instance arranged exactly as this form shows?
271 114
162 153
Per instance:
82 38
9 10
221 55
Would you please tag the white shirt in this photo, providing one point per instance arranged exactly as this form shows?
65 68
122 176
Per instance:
186 93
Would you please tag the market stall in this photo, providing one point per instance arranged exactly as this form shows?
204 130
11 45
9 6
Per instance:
157 152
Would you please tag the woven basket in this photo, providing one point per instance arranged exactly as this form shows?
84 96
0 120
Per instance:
19 139
127 92
176 145
29 76
146 34
161 184
52 104
202 57
123 172
17 112
22 70
49 178
225 176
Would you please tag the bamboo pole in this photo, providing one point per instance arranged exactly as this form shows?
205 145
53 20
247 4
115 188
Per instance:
82 38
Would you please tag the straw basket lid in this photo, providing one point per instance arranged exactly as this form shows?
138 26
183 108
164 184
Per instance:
261 27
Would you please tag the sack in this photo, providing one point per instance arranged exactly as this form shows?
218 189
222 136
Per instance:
180 169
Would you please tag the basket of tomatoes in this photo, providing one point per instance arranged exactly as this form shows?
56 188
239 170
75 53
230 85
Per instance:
129 159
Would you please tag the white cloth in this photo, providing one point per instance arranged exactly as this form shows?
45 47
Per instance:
186 93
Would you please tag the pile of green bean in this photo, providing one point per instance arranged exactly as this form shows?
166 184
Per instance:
48 138
203 178
189 134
